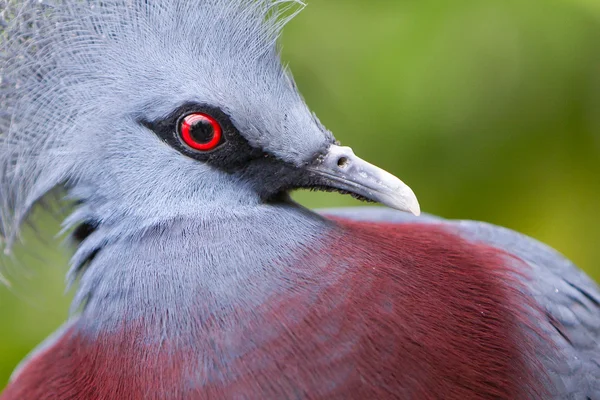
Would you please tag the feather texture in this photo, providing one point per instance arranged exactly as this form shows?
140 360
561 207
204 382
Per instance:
74 74
350 311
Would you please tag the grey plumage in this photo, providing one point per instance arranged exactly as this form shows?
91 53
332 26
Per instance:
76 76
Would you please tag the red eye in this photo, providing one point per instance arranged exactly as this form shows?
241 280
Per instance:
200 131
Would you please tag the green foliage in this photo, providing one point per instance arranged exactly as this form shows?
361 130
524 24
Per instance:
488 109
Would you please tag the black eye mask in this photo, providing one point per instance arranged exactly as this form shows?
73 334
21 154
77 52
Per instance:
231 154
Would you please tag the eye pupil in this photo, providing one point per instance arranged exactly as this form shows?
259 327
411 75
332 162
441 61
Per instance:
200 132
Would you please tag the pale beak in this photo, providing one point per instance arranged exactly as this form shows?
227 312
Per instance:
341 169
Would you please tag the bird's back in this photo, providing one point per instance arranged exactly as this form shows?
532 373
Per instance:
568 299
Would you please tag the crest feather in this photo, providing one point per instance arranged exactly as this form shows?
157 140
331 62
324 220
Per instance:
60 65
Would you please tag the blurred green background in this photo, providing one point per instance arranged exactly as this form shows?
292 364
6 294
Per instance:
489 109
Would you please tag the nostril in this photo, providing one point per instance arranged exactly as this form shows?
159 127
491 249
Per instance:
343 162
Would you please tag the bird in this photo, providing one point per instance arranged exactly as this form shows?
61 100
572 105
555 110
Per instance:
176 134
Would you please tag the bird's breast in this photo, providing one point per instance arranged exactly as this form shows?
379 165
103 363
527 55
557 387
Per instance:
370 311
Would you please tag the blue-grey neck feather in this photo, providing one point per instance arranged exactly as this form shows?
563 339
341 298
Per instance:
77 76
190 270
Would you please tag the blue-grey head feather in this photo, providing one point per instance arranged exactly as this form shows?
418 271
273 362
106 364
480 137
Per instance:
77 77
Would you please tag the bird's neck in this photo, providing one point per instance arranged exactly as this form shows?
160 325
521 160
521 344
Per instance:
187 266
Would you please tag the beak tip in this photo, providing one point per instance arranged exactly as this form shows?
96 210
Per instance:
408 204
414 208
412 203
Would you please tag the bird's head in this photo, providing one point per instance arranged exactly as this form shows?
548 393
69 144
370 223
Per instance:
149 110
